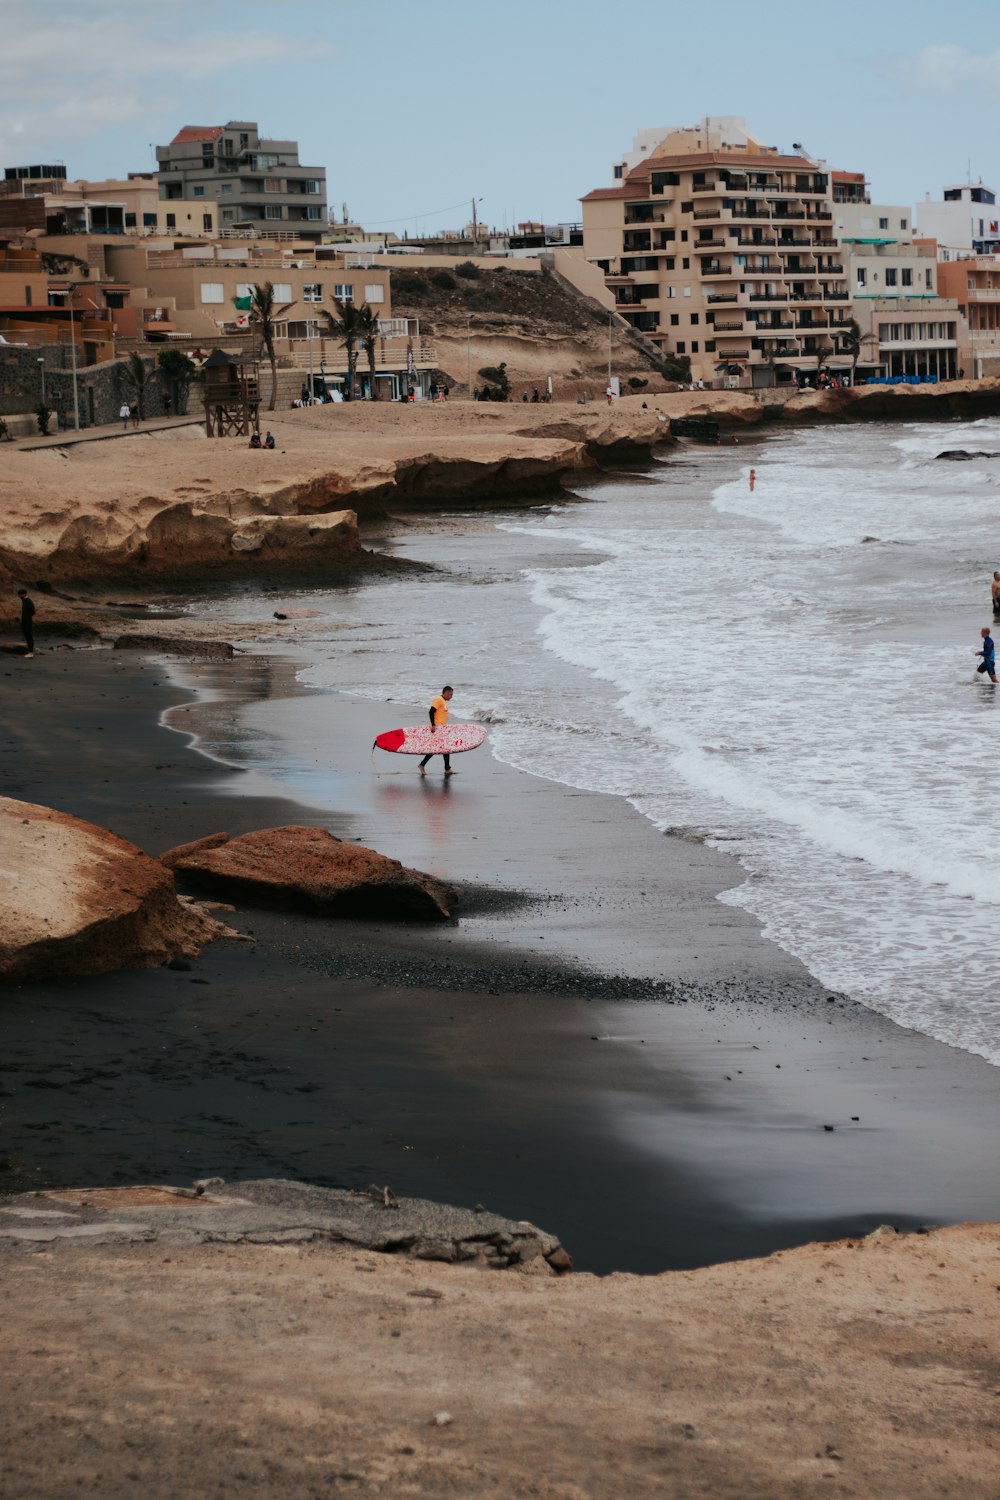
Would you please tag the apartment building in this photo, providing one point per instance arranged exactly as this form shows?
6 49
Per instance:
965 222
723 250
258 185
907 328
975 285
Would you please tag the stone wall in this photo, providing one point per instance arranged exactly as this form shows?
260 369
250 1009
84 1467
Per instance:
100 388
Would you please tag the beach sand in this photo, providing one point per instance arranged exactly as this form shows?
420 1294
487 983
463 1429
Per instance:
599 1045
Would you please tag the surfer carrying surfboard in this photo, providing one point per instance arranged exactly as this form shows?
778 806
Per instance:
438 713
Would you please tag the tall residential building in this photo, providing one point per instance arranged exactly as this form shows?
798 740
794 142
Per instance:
721 249
975 284
257 184
906 327
965 222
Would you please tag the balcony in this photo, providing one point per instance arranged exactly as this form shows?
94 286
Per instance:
766 241
637 216
773 330
713 244
791 241
709 187
722 297
707 213
836 296
729 327
770 297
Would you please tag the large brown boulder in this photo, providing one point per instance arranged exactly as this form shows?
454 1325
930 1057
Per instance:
308 869
76 899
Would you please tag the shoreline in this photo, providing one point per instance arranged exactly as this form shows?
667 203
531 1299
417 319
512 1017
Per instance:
468 1065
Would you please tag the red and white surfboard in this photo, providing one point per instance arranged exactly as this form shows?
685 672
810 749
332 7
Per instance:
419 739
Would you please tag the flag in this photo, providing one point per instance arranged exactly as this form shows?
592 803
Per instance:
411 368
243 321
994 226
243 304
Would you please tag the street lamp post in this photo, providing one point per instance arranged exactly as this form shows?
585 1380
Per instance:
72 341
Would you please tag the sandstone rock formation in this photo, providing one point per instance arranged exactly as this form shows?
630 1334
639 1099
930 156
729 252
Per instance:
308 869
76 899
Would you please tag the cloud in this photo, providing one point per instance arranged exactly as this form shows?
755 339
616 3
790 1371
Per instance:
945 68
70 73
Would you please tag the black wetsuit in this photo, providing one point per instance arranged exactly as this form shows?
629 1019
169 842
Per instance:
27 623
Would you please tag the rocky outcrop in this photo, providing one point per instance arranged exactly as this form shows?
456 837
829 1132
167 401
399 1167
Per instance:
308 869
79 900
167 645
279 1212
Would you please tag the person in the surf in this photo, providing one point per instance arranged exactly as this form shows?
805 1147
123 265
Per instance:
438 715
988 653
995 588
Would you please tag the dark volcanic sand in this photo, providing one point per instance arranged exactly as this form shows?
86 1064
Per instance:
461 1064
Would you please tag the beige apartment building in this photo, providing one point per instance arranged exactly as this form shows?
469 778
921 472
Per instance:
723 250
908 329
975 286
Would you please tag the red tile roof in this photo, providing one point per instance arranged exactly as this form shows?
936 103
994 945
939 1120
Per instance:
617 192
197 133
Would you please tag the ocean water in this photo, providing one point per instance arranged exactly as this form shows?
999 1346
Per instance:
788 671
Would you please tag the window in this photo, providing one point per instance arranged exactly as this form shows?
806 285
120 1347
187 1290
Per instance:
211 291
620 169
671 291
890 275
669 234
228 215
685 263
669 262
308 329
312 185
272 210
694 347
694 317
904 223
27 296
344 291
907 276
883 223
684 234
263 159
206 223
245 288
374 292
862 276
171 221
674 319
149 221
130 221
681 347
928 279
282 291
312 211
687 208
225 187
970 283
272 184
710 346
312 291
687 291
198 192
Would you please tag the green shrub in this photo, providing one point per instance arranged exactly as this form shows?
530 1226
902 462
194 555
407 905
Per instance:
42 416
470 271
637 382
445 280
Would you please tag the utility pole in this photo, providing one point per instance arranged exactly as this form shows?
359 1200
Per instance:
475 225
468 349
610 320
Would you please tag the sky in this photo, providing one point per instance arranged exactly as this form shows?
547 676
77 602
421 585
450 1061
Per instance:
414 109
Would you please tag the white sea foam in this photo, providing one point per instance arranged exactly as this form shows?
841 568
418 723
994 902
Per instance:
752 667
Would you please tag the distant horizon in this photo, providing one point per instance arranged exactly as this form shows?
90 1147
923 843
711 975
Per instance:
414 114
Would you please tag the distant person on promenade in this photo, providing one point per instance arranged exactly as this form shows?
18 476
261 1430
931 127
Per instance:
124 414
995 590
753 480
988 653
133 411
27 621
438 714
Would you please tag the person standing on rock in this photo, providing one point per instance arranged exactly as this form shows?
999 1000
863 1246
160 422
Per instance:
438 714
28 621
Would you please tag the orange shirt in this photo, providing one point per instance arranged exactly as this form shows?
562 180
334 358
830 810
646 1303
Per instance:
440 707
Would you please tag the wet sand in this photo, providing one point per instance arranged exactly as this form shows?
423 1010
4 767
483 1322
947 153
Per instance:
598 1045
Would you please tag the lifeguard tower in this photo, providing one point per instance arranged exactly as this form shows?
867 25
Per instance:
232 396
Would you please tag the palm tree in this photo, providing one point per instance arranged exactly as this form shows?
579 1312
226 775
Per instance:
347 326
853 341
368 327
264 316
136 376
